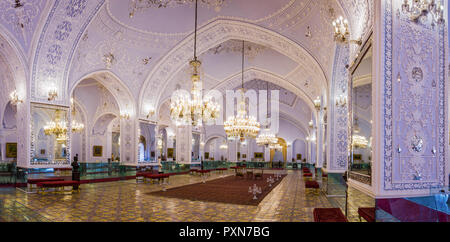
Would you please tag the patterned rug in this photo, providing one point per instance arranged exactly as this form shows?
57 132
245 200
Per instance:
231 189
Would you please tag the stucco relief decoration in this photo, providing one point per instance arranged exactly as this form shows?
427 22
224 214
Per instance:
208 38
415 106
416 102
338 116
64 26
21 21
361 16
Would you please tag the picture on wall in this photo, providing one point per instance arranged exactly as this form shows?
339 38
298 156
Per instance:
169 152
259 155
11 150
244 156
97 151
206 155
239 155
152 154
42 151
299 156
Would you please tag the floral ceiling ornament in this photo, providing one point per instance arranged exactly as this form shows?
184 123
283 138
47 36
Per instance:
109 59
251 50
143 5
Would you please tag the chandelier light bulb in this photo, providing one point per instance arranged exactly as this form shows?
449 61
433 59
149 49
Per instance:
418 9
14 98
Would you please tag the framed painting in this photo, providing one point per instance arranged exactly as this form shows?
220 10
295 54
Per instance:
206 155
97 151
169 152
299 156
11 150
259 155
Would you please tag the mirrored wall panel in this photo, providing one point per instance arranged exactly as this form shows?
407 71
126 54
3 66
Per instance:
49 135
147 143
361 90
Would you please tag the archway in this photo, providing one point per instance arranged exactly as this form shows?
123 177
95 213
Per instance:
114 97
212 35
277 155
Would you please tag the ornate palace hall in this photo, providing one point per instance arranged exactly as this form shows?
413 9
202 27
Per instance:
224 111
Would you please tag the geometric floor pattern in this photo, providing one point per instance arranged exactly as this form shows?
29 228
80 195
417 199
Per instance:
128 201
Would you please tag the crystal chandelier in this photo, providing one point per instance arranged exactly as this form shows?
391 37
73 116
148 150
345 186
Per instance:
194 110
142 5
241 126
266 137
416 9
76 126
276 146
359 141
57 127
223 146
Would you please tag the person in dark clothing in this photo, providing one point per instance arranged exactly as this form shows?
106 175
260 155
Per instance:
75 171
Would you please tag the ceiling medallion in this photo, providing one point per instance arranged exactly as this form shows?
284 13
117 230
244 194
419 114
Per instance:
194 110
242 126
136 6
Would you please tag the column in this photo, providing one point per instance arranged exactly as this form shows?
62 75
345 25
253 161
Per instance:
410 104
184 144
232 150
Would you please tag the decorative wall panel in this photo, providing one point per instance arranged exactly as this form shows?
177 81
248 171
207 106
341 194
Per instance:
338 115
64 26
414 105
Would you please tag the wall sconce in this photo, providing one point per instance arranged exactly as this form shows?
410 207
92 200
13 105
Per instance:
125 115
52 93
172 136
341 100
317 103
159 144
151 112
418 8
341 33
311 124
15 99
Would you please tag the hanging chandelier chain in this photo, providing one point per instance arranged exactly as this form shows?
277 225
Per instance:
195 31
243 53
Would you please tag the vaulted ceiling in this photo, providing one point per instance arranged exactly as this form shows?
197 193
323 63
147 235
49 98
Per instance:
63 42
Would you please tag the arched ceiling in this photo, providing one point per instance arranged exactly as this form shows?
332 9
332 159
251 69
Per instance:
66 41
